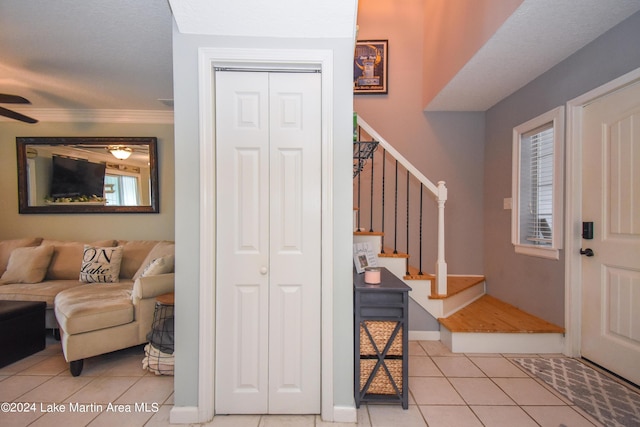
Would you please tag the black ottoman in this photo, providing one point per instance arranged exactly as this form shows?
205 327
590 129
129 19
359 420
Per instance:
22 329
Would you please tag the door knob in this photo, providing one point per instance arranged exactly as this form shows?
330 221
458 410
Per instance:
263 270
587 252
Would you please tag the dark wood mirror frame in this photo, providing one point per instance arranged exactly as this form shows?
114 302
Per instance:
63 208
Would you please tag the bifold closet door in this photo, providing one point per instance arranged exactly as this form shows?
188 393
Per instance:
268 251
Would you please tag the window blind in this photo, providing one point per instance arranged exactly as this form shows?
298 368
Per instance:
536 186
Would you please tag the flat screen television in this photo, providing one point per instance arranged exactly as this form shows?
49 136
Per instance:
76 178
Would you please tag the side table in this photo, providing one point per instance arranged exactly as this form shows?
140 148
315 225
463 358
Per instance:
381 320
159 352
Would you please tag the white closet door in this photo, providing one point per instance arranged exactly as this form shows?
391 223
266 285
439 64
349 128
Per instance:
294 321
268 246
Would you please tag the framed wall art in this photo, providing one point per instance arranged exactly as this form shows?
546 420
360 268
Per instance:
370 65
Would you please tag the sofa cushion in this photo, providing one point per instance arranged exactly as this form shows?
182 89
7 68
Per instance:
7 246
43 291
67 258
160 250
90 308
162 265
101 264
28 265
134 253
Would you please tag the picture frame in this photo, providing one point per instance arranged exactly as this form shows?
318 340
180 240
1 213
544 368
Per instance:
370 67
364 256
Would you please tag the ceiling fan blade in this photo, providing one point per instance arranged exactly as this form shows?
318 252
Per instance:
16 116
13 99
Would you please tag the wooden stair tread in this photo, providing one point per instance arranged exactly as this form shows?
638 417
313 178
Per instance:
455 284
489 314
368 233
388 253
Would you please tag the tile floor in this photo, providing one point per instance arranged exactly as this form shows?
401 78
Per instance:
446 390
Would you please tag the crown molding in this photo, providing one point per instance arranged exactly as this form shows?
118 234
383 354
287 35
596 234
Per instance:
98 116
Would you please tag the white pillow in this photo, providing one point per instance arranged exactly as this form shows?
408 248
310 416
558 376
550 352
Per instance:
160 265
100 264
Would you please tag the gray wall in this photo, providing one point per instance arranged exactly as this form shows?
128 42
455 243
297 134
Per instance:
85 227
534 284
185 59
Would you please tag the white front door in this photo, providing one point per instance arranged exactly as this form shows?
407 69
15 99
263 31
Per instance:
611 200
268 249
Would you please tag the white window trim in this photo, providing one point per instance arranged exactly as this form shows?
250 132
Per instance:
556 117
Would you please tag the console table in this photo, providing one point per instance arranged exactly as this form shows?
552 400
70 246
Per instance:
381 320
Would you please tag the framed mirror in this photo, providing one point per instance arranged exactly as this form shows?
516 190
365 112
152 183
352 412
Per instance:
87 175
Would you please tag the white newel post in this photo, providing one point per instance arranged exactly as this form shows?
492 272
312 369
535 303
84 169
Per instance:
441 264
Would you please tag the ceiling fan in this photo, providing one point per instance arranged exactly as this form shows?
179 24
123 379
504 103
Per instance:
14 99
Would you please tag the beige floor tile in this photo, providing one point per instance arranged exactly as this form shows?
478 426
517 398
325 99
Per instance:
457 367
450 416
52 365
548 416
287 421
116 418
234 421
55 389
480 391
363 416
148 389
498 367
103 390
436 348
320 423
526 391
66 419
17 419
434 391
161 418
394 415
503 416
423 366
14 387
23 364
415 349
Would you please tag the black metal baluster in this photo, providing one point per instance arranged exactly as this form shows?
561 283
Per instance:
359 156
371 204
407 221
420 268
384 155
395 229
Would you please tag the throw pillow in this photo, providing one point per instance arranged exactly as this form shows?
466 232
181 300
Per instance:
161 249
100 264
28 265
160 265
7 246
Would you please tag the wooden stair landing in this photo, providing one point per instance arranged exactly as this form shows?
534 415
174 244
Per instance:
455 284
489 314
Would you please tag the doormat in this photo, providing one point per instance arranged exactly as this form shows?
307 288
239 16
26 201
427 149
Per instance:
608 401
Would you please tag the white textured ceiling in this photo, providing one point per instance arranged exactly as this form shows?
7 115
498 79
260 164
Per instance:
116 54
537 36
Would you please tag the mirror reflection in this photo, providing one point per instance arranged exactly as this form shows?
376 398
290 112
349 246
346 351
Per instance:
87 175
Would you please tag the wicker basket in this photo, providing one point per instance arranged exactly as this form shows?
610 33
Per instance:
381 383
381 332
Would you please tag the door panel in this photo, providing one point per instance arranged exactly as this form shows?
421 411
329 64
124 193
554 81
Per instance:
268 247
611 199
242 247
294 333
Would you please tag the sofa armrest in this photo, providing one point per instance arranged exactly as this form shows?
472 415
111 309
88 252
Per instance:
152 286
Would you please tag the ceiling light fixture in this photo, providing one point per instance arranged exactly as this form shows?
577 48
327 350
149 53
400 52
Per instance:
120 152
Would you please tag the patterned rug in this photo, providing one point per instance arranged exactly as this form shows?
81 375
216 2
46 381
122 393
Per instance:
608 401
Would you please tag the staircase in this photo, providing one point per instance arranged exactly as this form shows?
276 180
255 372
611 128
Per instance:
391 215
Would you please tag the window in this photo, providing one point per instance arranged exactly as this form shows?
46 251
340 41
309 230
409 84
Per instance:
536 218
121 190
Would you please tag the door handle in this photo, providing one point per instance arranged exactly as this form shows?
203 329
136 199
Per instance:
587 252
263 270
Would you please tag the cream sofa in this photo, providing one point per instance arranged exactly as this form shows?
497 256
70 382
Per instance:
93 318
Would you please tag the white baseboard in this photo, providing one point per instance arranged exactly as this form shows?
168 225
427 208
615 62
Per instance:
345 414
185 415
424 335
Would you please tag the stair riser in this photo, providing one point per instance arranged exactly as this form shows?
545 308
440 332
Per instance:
376 241
517 343
398 266
462 299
